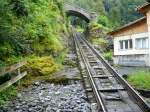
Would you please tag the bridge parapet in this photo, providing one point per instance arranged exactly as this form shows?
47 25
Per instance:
72 9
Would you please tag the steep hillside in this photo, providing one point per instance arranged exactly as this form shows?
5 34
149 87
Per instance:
121 12
32 31
30 27
115 12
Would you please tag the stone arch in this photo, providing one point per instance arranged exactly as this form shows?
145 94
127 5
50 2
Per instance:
79 12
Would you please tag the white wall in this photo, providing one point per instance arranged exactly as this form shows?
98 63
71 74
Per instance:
148 23
133 51
131 60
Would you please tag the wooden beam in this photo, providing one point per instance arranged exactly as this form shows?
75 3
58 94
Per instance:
6 70
12 81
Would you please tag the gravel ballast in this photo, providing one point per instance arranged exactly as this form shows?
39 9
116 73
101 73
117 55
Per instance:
45 97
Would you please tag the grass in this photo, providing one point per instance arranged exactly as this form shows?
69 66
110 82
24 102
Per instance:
7 95
140 79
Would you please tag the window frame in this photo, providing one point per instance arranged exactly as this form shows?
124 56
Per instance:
121 45
141 43
126 44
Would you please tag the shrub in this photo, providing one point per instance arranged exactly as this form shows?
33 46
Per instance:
13 59
39 69
5 50
140 79
39 66
103 20
100 41
94 25
108 56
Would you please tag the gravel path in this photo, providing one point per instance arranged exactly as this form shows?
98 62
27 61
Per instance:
50 98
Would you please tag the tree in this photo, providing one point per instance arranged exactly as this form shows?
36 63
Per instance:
38 21
118 12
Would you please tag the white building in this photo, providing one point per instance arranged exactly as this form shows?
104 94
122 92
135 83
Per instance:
132 41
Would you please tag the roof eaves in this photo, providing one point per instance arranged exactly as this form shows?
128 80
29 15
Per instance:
127 25
142 7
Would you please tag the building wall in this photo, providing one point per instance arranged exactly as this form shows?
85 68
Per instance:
140 27
148 23
131 57
131 60
133 51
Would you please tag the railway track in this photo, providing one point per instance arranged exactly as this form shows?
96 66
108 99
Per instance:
104 87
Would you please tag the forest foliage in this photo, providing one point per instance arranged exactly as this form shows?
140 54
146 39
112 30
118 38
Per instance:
112 13
30 27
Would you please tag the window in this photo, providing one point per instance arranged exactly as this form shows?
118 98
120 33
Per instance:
130 44
126 44
121 44
142 43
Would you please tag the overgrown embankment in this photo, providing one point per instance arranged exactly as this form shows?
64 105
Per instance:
30 27
99 38
32 30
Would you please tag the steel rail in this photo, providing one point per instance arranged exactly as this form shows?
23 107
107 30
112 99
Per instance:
132 93
95 89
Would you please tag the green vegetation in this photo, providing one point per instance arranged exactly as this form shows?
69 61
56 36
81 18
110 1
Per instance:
30 27
31 30
100 42
7 94
98 36
39 69
108 55
96 5
42 65
78 22
94 26
79 29
103 20
118 12
140 79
